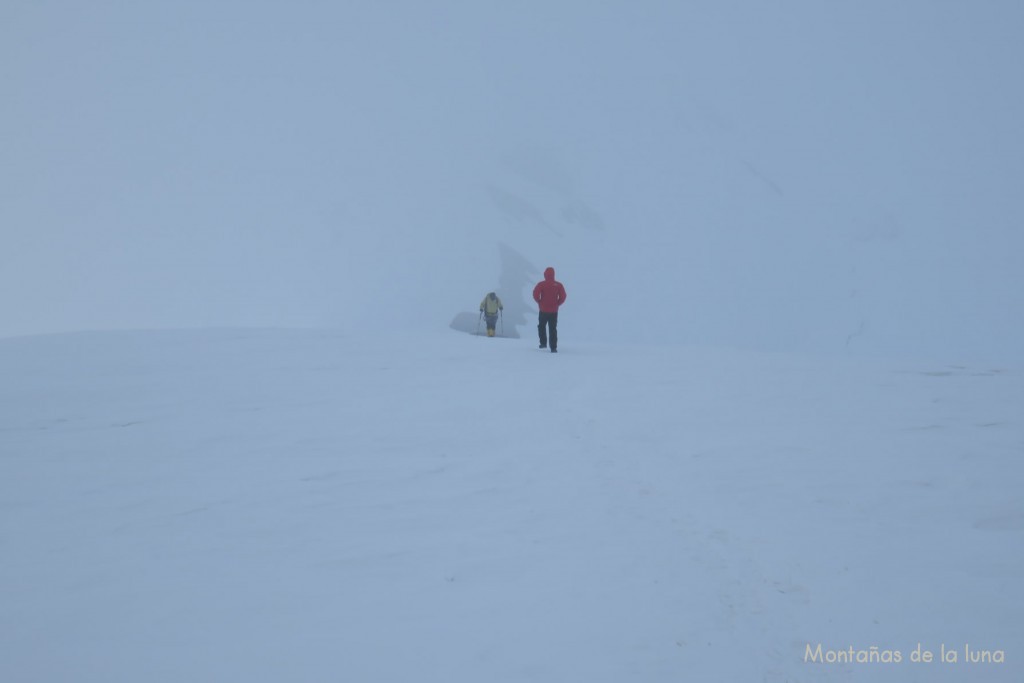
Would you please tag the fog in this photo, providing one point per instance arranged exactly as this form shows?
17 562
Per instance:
795 176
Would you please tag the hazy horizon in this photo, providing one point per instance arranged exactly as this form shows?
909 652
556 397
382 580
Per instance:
798 177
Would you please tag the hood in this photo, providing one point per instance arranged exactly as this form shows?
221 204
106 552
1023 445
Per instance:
549 274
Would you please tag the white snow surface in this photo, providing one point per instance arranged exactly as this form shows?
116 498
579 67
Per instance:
786 411
273 505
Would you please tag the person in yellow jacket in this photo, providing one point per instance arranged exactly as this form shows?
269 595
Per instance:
490 307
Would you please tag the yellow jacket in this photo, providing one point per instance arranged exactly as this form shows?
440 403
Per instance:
491 304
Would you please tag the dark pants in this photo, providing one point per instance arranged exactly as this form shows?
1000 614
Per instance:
491 320
550 322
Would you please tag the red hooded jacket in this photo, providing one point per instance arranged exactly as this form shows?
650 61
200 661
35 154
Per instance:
549 294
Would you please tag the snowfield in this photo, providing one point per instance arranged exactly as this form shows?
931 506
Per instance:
271 505
783 437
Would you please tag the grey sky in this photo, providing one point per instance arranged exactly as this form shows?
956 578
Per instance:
790 173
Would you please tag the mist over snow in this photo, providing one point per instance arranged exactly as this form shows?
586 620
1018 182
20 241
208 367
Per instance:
785 411
787 176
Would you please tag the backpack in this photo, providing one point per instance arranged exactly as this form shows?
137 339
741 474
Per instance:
491 304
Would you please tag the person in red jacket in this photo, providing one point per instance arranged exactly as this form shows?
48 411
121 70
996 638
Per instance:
549 295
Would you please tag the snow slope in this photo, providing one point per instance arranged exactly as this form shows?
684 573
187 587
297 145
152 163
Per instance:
754 208
323 506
